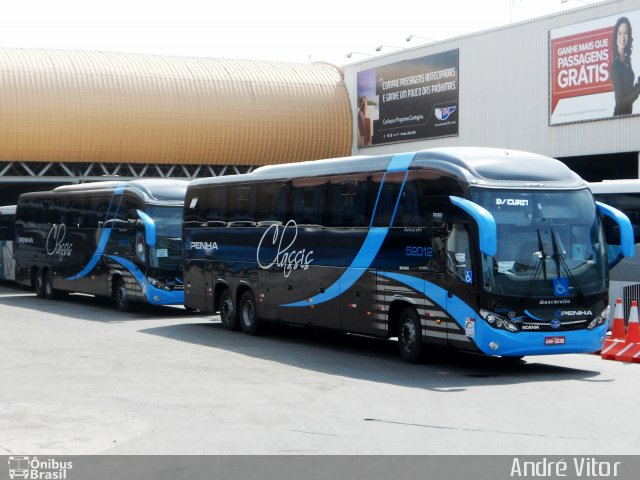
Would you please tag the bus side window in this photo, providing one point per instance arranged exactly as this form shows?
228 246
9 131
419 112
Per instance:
214 201
98 208
309 202
88 216
240 208
271 203
194 213
385 197
348 199
409 213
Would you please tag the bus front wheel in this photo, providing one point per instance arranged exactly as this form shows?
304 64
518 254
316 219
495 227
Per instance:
120 293
249 320
410 336
228 315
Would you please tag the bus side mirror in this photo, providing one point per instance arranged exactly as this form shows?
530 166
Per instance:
149 228
625 230
487 229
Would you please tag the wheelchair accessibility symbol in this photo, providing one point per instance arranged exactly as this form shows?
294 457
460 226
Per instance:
561 287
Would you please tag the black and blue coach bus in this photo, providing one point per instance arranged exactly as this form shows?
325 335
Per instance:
7 239
112 239
490 251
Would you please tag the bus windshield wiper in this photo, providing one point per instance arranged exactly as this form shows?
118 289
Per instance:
543 255
558 258
541 265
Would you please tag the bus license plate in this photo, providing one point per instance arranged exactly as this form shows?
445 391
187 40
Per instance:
554 340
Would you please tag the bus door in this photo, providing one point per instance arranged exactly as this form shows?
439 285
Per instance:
459 274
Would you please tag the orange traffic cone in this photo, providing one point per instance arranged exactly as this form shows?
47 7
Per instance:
618 330
632 341
633 329
615 344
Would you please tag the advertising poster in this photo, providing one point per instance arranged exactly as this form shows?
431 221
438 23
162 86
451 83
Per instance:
594 72
409 100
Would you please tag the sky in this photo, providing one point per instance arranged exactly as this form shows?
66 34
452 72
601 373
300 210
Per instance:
273 30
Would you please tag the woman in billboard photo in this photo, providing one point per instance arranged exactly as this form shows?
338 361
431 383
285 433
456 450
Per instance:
364 123
622 76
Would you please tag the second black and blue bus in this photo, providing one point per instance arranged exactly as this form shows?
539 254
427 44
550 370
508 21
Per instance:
111 239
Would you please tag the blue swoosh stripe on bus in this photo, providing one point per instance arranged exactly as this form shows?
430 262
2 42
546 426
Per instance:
104 237
95 258
359 265
458 309
369 249
174 297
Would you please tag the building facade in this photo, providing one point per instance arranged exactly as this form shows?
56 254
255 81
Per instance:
546 85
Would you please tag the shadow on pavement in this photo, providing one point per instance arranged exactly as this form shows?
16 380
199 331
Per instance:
86 307
370 359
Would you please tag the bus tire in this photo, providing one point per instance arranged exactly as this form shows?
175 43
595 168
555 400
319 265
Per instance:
248 313
38 284
410 336
120 294
49 292
228 314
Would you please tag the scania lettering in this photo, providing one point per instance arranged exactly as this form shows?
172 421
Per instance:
464 247
112 239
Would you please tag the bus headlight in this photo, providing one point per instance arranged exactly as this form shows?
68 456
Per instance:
497 321
157 283
599 319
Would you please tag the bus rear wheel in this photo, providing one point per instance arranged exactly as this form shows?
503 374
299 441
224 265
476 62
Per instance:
228 315
410 336
120 293
249 320
38 284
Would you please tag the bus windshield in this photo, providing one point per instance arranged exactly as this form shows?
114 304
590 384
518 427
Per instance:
168 220
550 244
167 251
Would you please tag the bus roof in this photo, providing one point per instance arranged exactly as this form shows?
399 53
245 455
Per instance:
151 188
616 186
480 166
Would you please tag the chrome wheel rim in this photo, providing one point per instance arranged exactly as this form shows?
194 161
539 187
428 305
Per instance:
408 336
226 310
248 314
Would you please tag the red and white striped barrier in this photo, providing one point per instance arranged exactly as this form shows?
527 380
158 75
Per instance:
616 343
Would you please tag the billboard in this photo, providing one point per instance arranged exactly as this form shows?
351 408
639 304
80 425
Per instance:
409 100
593 73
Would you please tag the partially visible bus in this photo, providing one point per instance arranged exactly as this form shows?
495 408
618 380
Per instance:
490 251
7 239
112 239
625 271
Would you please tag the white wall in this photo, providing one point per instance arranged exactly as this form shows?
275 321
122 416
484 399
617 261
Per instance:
504 91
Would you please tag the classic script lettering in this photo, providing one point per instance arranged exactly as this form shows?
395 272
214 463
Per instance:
286 256
56 244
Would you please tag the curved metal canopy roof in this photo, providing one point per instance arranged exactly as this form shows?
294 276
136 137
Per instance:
76 106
